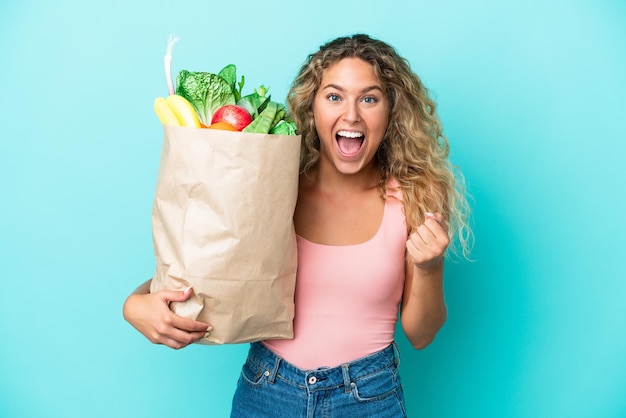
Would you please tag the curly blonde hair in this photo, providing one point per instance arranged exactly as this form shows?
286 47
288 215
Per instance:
414 150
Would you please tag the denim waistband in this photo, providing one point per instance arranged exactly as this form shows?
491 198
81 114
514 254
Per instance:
322 378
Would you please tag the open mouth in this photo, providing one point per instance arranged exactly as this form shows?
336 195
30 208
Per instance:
349 142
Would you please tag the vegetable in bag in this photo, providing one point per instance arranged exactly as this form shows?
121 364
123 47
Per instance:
203 99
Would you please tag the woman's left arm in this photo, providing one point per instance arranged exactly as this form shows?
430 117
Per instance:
423 306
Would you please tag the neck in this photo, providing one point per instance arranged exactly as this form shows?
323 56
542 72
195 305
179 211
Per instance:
325 177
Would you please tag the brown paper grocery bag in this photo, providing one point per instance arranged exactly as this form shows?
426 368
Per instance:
222 223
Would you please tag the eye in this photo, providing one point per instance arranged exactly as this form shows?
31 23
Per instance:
333 97
370 100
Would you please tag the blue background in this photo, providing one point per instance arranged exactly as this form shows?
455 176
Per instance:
532 95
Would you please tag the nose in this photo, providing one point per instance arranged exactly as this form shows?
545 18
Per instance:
351 113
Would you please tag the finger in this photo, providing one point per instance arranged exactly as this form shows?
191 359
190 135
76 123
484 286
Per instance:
166 333
189 325
424 236
176 295
412 247
437 228
183 338
177 328
424 244
437 217
176 345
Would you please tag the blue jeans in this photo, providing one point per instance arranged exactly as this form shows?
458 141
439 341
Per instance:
269 386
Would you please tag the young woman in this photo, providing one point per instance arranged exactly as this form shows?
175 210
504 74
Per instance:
378 205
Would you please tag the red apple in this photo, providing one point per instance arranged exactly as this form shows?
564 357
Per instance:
234 115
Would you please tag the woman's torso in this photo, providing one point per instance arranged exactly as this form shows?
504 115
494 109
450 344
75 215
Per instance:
347 296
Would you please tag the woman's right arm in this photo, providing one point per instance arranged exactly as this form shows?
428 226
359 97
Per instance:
150 314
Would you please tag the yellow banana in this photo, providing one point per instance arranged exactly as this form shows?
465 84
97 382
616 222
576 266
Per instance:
165 112
183 110
176 110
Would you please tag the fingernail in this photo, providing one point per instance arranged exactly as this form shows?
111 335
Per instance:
187 290
430 215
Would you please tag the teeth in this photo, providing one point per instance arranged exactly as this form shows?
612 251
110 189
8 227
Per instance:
349 134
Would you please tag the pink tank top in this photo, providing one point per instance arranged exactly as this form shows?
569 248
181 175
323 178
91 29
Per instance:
347 297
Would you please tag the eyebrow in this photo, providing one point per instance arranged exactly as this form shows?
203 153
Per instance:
365 90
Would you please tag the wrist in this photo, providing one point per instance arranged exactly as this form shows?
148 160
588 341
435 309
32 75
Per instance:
430 267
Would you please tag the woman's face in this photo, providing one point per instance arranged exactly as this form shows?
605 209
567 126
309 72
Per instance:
351 113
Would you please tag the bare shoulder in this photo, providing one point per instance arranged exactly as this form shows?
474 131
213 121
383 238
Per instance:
393 189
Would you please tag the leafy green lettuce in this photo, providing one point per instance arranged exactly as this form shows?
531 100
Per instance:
229 73
254 103
284 127
205 91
